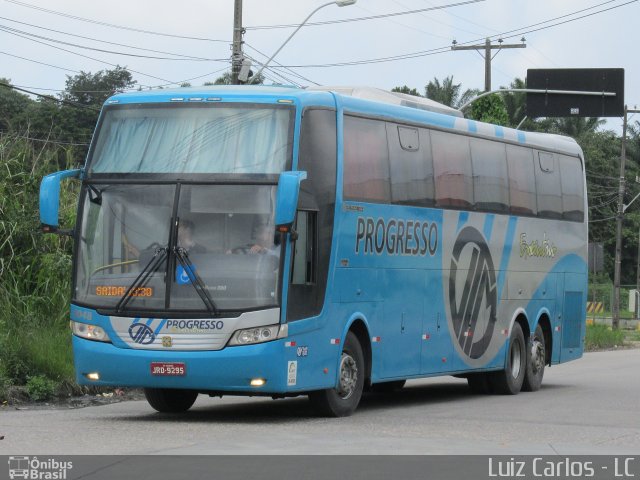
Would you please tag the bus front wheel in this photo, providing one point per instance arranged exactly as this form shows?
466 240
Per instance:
509 381
169 400
342 400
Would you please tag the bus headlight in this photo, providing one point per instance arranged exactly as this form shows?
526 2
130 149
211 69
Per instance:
249 336
90 332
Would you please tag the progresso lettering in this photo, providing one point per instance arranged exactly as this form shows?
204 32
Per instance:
396 237
195 325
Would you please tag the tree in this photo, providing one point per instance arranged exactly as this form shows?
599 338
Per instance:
83 98
448 93
407 90
490 109
13 105
576 127
93 89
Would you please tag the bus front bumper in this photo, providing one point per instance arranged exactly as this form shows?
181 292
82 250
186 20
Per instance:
231 369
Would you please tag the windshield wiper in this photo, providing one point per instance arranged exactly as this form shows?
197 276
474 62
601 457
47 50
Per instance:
149 269
195 280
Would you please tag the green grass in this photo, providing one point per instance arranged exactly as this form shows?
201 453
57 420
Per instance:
632 335
601 337
35 272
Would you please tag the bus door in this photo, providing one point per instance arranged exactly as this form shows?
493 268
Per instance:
400 341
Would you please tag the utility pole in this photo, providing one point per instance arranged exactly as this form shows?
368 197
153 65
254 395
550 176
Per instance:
487 47
615 321
236 50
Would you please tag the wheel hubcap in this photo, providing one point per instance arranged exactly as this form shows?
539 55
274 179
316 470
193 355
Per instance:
516 359
537 355
348 376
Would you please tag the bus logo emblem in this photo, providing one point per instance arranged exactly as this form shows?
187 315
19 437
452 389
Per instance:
141 333
479 295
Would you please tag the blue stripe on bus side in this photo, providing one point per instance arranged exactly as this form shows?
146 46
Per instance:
506 253
499 131
157 330
473 126
522 138
462 219
488 226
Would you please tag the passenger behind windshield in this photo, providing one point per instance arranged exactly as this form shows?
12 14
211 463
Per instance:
185 237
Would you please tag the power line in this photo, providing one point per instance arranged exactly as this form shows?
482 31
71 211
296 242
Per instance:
75 91
292 72
86 56
97 22
49 97
189 57
438 50
41 63
359 19
20 33
603 219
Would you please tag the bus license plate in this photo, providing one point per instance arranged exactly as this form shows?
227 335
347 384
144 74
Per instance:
168 369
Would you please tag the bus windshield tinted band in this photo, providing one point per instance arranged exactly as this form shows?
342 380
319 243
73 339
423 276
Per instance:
188 139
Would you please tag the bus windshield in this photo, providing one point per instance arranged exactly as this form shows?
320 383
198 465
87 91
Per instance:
193 139
219 249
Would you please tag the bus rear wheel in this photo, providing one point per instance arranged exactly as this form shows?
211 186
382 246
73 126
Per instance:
509 381
536 360
169 400
343 400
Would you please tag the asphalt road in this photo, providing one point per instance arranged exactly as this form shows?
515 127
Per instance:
590 406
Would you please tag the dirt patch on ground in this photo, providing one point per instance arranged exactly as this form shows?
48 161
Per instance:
19 399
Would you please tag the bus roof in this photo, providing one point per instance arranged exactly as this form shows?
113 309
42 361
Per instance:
362 100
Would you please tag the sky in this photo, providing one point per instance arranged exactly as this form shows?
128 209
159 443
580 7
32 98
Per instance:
338 53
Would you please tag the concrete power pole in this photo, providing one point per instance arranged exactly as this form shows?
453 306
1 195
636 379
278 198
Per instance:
487 47
615 310
236 53
615 321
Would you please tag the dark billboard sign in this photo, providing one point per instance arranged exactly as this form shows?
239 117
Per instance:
604 80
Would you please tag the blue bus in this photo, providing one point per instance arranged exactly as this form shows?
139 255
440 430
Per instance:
324 242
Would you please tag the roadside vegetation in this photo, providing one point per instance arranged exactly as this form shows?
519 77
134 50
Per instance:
46 134
602 337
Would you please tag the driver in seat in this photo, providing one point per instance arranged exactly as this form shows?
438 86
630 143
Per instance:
264 242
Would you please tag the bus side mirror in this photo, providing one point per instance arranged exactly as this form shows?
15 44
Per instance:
50 199
287 199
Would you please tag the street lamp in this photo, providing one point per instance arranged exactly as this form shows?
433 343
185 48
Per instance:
340 3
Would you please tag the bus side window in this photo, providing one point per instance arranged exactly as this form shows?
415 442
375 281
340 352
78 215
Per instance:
522 184
548 186
452 170
490 189
411 166
572 188
366 160
303 271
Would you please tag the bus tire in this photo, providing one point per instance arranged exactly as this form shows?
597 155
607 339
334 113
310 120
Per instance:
480 383
509 381
388 387
344 399
170 400
536 359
